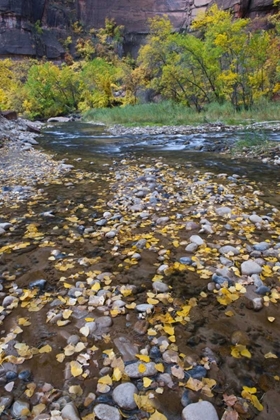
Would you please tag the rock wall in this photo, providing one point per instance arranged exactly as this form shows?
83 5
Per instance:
20 35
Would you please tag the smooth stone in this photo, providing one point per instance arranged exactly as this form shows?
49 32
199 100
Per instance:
141 243
162 220
5 226
106 412
101 222
9 300
162 268
198 372
191 248
171 356
123 395
257 280
104 322
250 267
192 226
136 256
202 410
110 234
186 260
160 287
254 218
262 246
6 401
132 370
40 284
185 399
228 248
223 211
17 408
225 261
166 379
196 239
262 290
144 307
117 304
70 412
126 348
141 326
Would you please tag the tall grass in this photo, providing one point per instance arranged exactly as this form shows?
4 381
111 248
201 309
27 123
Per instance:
169 113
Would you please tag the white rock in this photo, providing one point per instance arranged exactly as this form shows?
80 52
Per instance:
70 412
223 211
106 412
111 234
228 248
18 408
123 395
254 218
202 410
144 307
158 286
132 370
196 239
250 267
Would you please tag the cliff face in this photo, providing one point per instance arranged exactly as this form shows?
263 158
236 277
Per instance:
34 27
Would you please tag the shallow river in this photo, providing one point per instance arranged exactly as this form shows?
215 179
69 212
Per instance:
155 222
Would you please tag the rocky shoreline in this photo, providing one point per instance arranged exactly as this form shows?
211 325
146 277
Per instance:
22 166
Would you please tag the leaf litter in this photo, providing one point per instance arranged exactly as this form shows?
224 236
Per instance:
132 246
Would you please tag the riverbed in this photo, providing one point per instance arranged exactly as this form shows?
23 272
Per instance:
130 270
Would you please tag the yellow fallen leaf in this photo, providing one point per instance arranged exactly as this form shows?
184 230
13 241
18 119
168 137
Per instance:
60 357
147 382
168 329
117 374
24 322
143 402
229 313
271 318
45 349
76 368
84 330
194 384
66 313
152 301
142 368
143 357
159 367
105 380
270 356
38 409
76 389
158 416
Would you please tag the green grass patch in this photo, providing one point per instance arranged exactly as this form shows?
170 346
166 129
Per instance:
169 113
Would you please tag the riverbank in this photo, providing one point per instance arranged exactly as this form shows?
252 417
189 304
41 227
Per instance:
22 167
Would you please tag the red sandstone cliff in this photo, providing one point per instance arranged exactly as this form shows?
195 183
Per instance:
21 36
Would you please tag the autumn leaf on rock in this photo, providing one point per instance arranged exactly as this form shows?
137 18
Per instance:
143 402
76 368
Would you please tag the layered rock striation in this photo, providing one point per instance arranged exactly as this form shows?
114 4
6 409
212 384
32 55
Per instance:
35 27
